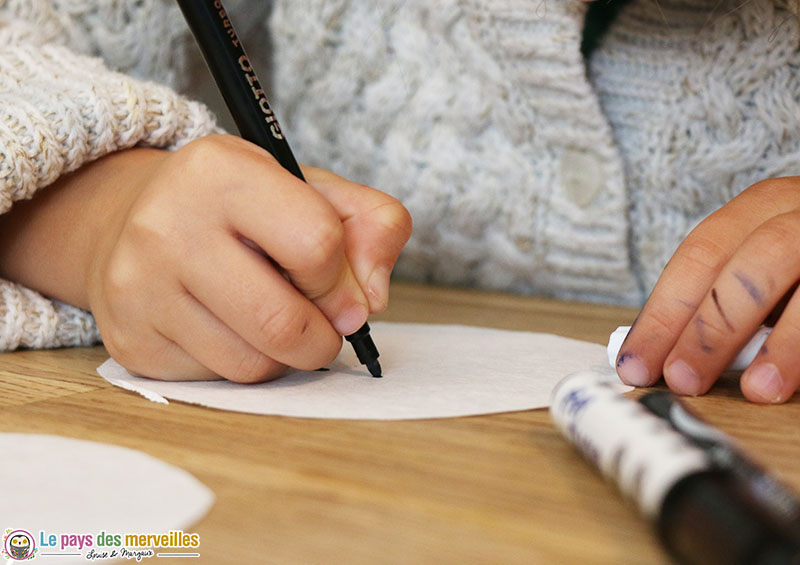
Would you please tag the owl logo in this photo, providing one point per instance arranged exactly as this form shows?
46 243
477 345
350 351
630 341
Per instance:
18 545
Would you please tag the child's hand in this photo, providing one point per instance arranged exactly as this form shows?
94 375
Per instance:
176 277
726 279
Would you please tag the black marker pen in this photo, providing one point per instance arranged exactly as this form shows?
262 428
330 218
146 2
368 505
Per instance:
724 454
248 105
705 513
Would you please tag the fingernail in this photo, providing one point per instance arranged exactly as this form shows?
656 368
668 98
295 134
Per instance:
378 286
351 320
682 378
765 381
632 371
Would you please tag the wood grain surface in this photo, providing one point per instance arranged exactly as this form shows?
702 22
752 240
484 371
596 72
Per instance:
501 488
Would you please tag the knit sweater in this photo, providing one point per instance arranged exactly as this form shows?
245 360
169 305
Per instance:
522 170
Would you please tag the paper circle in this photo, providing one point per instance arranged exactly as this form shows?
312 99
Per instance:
430 371
58 485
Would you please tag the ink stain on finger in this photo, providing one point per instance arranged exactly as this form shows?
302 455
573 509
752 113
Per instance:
722 314
700 327
763 350
624 357
750 287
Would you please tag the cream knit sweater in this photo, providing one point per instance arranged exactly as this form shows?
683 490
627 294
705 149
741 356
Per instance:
522 171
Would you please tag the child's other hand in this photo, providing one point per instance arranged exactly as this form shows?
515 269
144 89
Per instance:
731 274
176 277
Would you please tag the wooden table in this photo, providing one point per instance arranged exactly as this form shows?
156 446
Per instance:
503 488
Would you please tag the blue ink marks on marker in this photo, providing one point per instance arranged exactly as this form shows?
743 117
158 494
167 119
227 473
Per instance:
750 287
575 402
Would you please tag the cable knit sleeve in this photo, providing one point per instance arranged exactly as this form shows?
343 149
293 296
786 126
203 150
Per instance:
59 110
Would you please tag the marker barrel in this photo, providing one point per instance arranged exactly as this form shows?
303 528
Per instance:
236 79
631 446
704 515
